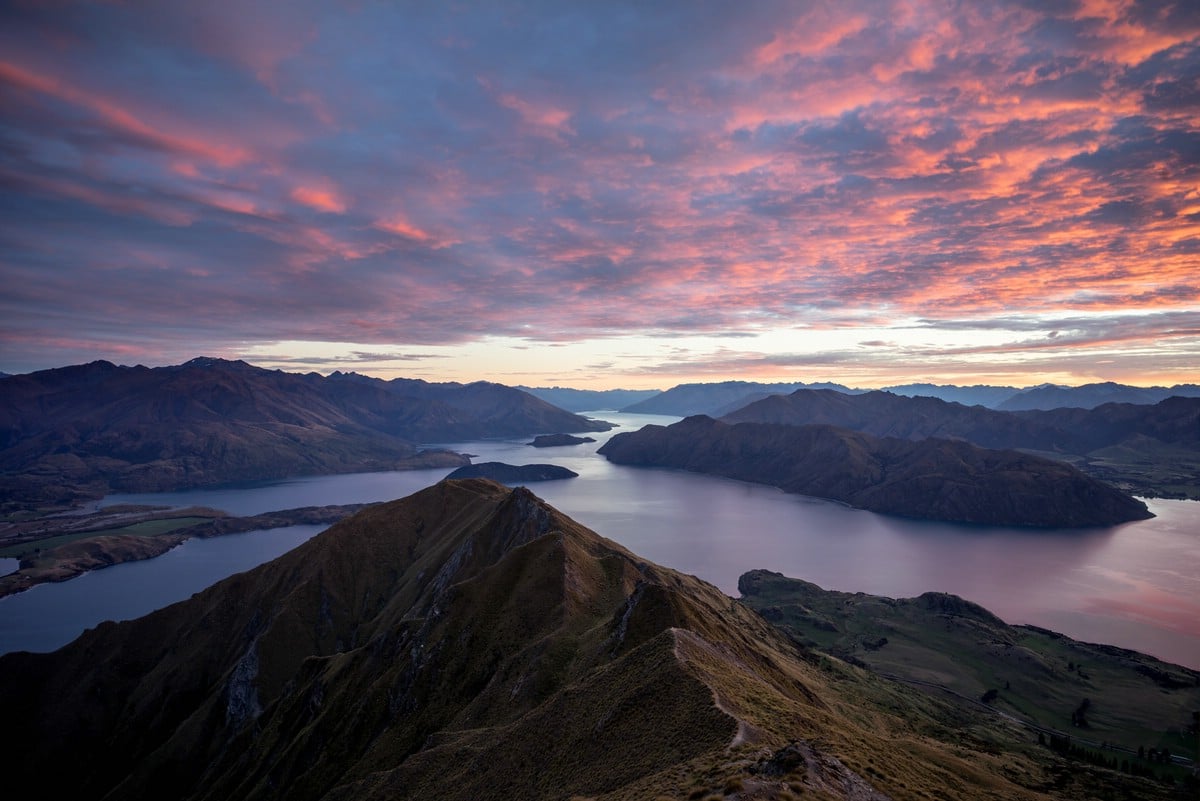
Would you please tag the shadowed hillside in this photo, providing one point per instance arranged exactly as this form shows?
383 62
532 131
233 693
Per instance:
79 432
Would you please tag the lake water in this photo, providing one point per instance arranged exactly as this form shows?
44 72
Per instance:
1135 585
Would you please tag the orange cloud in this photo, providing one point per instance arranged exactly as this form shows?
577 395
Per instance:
402 227
327 200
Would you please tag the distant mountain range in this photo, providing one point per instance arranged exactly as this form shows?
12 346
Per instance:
1089 396
930 479
715 399
472 642
78 432
978 395
1149 449
586 400
721 398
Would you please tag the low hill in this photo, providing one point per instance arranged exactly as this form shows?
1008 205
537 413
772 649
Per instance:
931 479
471 642
558 440
1147 449
81 431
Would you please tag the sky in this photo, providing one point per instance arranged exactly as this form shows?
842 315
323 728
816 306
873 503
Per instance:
606 194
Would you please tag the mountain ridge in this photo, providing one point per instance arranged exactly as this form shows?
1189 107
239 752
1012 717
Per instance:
321 615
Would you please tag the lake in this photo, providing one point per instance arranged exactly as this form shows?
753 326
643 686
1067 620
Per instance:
1135 585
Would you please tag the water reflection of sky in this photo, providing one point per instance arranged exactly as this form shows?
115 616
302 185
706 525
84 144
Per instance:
1136 585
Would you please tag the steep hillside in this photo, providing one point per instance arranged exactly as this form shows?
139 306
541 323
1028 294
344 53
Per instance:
933 479
81 431
471 642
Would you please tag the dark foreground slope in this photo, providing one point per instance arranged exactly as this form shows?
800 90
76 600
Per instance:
471 642
933 479
81 431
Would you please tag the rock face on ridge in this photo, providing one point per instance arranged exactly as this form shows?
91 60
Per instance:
414 650
933 479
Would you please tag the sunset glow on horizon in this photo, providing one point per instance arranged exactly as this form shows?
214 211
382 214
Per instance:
609 194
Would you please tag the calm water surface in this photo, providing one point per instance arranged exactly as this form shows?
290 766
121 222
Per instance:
1136 585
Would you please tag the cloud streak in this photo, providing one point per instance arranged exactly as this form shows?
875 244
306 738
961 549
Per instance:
249 173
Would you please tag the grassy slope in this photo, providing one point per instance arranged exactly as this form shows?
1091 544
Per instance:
1135 700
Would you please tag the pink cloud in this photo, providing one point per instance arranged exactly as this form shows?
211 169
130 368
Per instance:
818 165
321 199
122 118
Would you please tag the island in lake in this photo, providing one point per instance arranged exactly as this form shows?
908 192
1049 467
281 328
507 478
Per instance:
513 474
553 440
